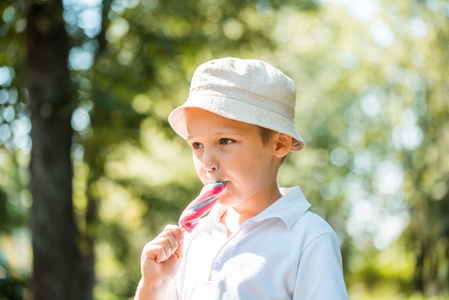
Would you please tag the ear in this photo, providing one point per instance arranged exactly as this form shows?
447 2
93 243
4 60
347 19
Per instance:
283 144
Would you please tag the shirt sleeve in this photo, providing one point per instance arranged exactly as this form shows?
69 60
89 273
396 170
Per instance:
320 274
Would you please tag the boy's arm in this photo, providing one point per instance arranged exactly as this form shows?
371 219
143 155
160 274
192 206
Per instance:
147 292
320 274
160 262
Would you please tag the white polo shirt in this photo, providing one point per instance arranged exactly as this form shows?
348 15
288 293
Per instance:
285 252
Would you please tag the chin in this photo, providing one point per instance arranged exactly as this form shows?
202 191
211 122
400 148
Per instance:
224 201
228 202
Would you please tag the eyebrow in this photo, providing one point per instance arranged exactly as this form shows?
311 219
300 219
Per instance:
219 133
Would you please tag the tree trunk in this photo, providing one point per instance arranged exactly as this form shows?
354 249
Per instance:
419 269
57 260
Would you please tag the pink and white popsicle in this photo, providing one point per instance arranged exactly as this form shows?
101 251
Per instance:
200 205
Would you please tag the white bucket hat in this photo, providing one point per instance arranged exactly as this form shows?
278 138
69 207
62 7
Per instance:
245 90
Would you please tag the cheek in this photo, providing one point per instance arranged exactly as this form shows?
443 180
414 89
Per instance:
198 167
246 161
251 165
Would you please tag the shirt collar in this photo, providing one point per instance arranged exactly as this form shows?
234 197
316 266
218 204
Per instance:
289 208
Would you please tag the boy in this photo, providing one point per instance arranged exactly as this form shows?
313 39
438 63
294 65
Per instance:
259 241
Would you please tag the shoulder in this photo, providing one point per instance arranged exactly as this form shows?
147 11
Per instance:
313 222
312 227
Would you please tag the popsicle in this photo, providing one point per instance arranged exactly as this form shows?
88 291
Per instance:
200 205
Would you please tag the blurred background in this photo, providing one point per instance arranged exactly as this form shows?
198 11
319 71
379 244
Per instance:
90 169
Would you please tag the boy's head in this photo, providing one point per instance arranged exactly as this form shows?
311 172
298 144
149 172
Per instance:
233 152
249 91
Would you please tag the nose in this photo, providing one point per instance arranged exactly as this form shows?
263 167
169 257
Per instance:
209 162
210 169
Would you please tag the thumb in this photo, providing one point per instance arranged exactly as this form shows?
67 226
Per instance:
178 251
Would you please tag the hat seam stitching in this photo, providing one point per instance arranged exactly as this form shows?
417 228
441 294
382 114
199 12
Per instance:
204 87
246 102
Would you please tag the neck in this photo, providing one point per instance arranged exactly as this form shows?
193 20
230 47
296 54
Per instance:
231 219
235 216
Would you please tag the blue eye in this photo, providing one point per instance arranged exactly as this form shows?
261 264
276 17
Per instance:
226 141
196 145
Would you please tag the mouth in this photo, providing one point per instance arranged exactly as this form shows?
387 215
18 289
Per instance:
219 181
214 183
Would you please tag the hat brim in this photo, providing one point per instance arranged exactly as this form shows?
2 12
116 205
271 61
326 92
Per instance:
235 110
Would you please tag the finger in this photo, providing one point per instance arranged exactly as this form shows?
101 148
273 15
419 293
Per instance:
164 247
154 248
174 234
176 231
172 237
153 251
172 244
178 251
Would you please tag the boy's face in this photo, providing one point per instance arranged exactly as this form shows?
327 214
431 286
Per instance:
232 151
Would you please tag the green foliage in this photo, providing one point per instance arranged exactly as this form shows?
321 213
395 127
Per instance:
372 106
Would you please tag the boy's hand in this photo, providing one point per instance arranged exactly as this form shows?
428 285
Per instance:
162 257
